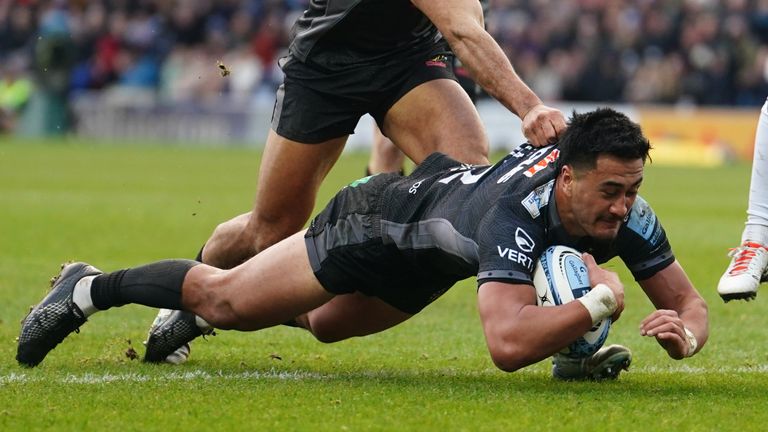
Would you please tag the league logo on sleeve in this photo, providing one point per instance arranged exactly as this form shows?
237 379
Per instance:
642 220
538 198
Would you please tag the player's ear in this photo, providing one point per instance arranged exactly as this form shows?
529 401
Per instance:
566 178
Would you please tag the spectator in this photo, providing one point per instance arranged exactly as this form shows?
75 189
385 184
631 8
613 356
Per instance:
54 57
661 51
17 27
15 91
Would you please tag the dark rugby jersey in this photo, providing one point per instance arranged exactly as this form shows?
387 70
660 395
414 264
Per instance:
339 33
343 32
495 221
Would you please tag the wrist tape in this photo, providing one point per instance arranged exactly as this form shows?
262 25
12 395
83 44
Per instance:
600 303
692 342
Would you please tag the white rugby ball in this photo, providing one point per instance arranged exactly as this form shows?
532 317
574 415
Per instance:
561 276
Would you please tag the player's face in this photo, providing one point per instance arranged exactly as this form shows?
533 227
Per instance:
600 198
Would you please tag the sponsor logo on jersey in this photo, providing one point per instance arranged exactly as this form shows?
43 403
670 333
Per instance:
538 198
515 256
437 61
523 240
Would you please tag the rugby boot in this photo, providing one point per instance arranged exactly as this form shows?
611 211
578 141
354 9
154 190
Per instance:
55 317
747 269
169 335
605 364
181 354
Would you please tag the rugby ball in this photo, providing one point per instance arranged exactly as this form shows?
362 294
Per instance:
561 276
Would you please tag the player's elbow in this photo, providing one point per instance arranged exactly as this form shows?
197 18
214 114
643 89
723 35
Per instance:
510 357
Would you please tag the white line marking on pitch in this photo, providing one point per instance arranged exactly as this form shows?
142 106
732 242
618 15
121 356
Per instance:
201 375
195 375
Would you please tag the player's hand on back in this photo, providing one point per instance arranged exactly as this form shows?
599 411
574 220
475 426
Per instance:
542 125
599 275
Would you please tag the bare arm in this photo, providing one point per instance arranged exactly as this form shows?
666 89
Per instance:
520 333
461 23
679 306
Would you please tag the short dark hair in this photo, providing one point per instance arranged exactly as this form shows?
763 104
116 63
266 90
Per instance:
602 131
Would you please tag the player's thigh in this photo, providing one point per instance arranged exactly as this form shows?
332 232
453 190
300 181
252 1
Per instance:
289 178
351 315
437 115
269 289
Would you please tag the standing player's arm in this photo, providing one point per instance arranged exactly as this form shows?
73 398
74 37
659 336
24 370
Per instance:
461 23
680 312
520 333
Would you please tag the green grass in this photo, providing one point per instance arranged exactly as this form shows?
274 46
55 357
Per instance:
123 206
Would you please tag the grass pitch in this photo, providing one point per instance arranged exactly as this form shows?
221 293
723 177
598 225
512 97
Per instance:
122 206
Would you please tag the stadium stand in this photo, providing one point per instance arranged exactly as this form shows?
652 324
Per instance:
164 54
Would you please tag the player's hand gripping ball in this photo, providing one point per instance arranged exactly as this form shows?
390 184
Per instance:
561 276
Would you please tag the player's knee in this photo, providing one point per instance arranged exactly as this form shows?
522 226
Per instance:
326 335
233 230
269 230
325 331
231 238
221 313
208 298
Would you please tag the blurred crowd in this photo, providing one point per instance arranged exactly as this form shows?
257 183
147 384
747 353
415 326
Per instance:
699 52
702 52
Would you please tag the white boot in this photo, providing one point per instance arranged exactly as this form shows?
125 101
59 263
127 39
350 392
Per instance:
742 277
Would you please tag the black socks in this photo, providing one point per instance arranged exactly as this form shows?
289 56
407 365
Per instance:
155 285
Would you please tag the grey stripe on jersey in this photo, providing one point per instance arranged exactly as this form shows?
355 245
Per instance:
430 233
504 274
348 231
639 267
277 111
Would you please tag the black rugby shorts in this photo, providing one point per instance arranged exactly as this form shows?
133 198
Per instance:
348 255
315 104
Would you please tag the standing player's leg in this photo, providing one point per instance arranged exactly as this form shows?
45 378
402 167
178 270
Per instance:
311 121
289 178
749 261
385 156
437 115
